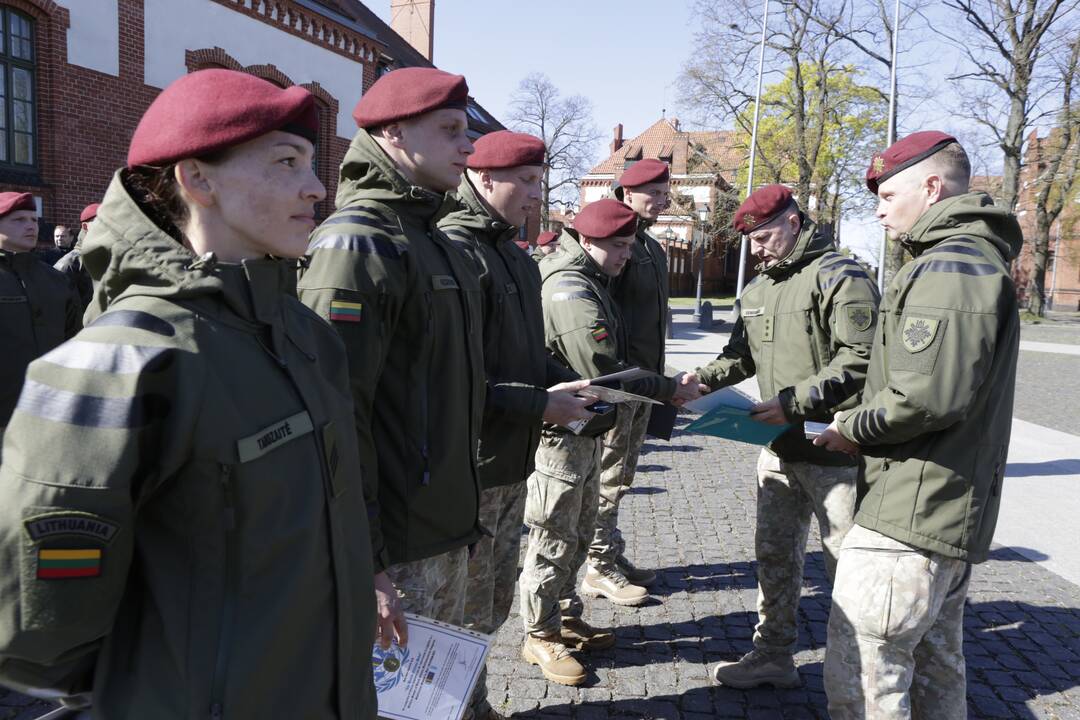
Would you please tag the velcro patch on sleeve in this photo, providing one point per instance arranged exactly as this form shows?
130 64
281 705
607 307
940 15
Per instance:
344 311
919 343
65 563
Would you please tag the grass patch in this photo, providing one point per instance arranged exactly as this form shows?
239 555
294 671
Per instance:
1027 316
689 302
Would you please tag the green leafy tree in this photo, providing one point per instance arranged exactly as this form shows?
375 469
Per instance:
843 123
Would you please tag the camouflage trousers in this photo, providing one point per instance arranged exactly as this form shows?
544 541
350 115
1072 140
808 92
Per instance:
895 646
618 463
560 510
789 495
493 570
433 587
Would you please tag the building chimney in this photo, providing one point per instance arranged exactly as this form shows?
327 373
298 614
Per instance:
414 20
616 143
674 123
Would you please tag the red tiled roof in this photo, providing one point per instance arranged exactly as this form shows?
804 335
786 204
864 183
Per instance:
663 140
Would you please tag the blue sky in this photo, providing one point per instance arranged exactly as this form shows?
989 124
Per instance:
622 55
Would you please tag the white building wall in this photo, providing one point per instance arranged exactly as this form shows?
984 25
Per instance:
175 26
93 39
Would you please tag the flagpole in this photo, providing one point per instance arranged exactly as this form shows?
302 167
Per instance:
744 245
891 135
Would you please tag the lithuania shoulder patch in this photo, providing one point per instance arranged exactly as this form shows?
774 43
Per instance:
600 334
54 524
343 311
860 317
918 333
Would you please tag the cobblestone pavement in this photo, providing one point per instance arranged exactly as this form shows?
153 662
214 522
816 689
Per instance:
691 514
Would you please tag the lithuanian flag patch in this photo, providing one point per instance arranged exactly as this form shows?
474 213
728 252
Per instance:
343 311
600 334
56 564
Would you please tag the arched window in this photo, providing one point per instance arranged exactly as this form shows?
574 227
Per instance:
17 90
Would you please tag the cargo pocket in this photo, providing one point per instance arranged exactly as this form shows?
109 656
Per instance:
896 603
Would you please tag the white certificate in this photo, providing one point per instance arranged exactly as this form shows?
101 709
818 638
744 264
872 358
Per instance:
433 677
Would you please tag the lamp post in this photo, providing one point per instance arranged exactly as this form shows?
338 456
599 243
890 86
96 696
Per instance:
669 238
699 238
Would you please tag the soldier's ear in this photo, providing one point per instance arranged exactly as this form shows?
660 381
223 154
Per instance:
195 185
934 186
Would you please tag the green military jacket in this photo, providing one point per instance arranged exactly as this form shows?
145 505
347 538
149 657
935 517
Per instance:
408 305
519 369
935 418
583 328
196 545
805 327
641 290
38 311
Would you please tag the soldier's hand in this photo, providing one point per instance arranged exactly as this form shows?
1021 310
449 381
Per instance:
564 407
831 439
688 391
769 412
390 622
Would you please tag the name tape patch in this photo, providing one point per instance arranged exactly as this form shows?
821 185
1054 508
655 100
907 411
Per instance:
273 437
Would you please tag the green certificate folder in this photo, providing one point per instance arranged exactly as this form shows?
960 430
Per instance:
726 414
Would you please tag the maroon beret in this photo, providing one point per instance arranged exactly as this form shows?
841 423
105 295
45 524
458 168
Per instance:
89 212
645 171
506 149
762 206
408 92
210 110
12 201
606 218
546 238
902 154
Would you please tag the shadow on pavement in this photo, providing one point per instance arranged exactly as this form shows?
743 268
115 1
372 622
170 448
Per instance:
1070 466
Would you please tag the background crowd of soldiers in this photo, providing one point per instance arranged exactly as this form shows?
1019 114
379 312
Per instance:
269 441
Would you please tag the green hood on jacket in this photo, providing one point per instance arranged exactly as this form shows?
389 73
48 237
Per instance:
973 215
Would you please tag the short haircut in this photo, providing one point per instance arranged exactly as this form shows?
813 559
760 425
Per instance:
952 164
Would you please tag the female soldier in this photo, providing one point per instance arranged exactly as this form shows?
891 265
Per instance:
182 523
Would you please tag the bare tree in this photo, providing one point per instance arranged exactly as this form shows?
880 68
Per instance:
1059 162
1003 45
867 26
568 130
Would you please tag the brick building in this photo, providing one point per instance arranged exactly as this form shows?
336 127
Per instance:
78 74
703 165
1063 262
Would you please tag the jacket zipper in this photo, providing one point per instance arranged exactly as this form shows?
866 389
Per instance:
424 389
228 607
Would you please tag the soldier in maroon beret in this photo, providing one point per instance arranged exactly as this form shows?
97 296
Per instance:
39 310
200 516
525 386
931 433
408 305
584 332
641 292
804 330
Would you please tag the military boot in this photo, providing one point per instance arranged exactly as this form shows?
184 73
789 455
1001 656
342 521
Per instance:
636 575
580 635
554 660
759 667
614 587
